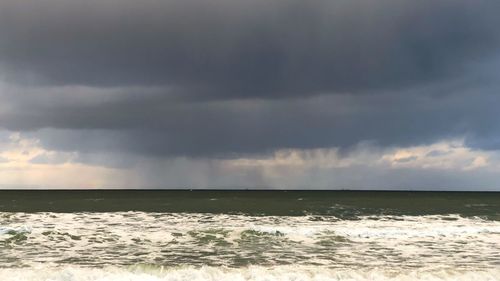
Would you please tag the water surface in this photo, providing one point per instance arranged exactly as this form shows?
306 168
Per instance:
249 235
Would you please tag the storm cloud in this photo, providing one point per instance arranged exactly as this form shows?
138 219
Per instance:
222 79
245 49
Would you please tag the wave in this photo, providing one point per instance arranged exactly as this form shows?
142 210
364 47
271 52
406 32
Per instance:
127 238
15 230
253 273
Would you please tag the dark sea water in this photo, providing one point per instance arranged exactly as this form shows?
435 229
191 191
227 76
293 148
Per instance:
248 235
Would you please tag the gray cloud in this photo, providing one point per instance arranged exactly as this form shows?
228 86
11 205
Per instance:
234 128
45 158
437 153
182 173
235 49
228 78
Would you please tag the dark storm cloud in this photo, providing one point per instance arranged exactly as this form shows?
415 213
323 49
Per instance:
225 78
233 128
235 49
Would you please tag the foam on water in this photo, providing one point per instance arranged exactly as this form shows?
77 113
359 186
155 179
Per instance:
106 243
253 273
16 230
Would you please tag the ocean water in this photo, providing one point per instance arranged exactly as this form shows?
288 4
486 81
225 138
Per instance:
248 235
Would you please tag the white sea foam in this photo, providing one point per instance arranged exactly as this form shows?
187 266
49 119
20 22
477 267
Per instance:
15 230
253 273
128 238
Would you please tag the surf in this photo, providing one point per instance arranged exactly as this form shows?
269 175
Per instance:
252 273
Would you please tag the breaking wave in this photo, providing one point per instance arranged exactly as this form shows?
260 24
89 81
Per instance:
180 246
252 273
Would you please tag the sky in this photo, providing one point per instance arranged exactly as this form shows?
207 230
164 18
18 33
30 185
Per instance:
287 94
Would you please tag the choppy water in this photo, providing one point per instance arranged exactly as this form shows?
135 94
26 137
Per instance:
302 236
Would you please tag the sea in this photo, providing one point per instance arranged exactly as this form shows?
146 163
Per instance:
183 235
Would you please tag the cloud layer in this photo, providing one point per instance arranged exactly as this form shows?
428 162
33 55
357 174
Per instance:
235 49
124 81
